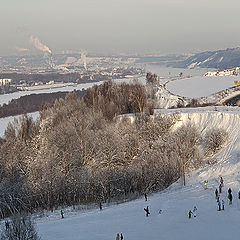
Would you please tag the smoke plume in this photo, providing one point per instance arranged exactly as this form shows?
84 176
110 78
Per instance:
84 59
21 49
37 44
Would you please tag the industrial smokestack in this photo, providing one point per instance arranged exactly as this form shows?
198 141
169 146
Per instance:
37 44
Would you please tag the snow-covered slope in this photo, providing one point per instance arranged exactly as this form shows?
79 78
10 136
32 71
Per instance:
175 202
220 59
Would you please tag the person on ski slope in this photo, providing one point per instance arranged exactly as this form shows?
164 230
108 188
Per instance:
221 181
230 198
205 184
147 211
219 205
216 193
194 211
222 205
220 188
117 237
189 214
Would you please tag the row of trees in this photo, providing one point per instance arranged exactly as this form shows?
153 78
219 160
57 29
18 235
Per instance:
77 153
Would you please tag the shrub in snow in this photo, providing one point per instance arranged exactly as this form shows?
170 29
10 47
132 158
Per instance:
19 228
214 140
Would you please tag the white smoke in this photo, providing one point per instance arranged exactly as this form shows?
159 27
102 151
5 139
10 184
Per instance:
37 44
84 59
20 49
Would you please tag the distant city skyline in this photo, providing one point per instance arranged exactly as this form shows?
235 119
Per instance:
113 26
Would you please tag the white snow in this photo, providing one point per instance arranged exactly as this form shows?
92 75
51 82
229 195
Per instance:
199 86
175 202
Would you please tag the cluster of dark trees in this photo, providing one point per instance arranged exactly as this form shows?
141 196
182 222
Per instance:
114 99
33 102
78 153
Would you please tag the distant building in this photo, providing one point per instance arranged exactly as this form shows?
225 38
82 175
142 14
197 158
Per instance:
5 81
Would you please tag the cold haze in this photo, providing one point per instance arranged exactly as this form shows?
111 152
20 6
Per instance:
111 26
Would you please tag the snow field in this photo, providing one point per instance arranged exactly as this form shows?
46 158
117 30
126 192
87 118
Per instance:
199 86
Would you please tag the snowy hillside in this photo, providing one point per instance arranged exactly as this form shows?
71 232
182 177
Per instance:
175 202
220 59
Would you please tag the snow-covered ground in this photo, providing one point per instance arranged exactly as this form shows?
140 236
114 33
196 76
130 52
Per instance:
200 86
4 121
175 202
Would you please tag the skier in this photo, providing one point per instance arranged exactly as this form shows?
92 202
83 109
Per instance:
121 237
222 205
219 206
100 205
7 225
221 181
216 193
239 195
147 211
205 184
117 238
189 214
62 213
145 195
229 191
230 198
160 211
195 211
220 188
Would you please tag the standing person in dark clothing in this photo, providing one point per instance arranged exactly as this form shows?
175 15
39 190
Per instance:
62 213
145 195
230 198
189 214
222 205
121 237
239 195
147 211
219 206
7 225
229 191
100 205
220 188
216 193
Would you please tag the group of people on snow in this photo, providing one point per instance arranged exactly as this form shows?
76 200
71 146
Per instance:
192 213
119 237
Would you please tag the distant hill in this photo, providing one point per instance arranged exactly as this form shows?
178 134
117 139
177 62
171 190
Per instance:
220 59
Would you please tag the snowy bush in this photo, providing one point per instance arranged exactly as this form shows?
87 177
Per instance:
19 228
214 140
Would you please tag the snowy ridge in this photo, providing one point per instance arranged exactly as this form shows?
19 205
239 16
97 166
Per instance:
175 202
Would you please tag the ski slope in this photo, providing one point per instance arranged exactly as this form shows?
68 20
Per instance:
175 202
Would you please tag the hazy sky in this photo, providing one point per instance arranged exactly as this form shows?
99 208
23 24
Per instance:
133 26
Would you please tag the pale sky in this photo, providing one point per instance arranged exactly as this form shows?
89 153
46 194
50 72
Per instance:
130 26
